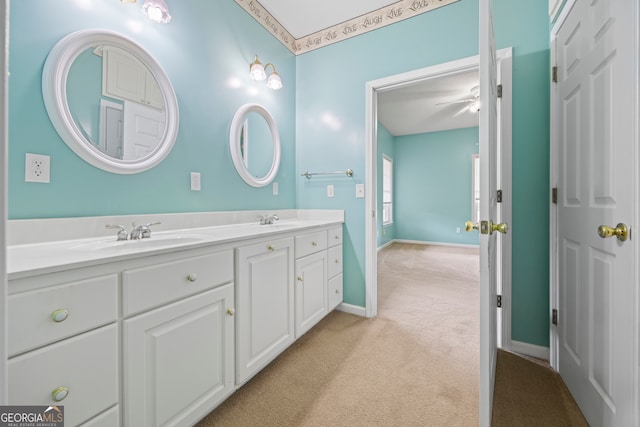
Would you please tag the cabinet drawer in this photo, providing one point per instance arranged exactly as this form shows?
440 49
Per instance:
335 236
152 286
110 418
86 365
335 291
78 307
307 244
334 260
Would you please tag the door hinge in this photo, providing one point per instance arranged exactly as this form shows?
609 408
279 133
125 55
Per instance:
554 316
554 195
499 196
554 74
499 301
500 90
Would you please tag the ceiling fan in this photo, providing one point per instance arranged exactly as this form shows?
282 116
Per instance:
473 103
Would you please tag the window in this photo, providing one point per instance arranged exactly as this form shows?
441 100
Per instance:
475 188
387 190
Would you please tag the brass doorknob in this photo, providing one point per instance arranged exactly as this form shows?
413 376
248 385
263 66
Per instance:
621 232
470 226
501 228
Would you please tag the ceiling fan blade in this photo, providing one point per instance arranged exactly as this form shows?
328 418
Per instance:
457 102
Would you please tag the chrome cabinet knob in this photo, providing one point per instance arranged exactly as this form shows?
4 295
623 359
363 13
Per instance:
192 277
231 311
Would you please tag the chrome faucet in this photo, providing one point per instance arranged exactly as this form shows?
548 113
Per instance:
122 232
137 232
268 219
141 231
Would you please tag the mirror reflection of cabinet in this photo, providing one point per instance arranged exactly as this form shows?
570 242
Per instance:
125 77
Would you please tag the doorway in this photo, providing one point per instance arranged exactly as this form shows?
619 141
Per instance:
375 87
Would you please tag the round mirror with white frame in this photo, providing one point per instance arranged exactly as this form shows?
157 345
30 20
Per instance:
255 148
110 101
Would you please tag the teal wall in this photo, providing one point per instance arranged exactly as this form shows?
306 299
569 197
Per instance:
331 83
433 186
386 147
205 50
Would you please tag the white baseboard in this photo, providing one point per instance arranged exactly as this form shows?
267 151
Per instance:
536 351
386 244
422 242
352 309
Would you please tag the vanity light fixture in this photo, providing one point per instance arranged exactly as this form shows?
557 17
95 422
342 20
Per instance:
258 72
156 10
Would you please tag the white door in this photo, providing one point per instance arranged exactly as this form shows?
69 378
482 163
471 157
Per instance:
488 211
597 156
143 130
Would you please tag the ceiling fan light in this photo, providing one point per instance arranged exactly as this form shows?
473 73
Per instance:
474 106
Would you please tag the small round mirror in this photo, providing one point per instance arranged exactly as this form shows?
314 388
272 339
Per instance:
110 101
254 142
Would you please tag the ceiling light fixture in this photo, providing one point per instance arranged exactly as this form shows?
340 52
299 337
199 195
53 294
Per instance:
156 10
258 72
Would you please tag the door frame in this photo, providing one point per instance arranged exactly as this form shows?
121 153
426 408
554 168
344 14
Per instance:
504 59
554 178
4 147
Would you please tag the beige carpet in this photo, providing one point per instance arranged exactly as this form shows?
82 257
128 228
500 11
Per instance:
416 364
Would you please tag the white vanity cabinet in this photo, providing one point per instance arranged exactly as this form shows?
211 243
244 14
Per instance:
311 280
265 304
63 344
178 354
334 262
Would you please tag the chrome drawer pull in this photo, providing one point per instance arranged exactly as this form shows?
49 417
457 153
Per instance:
337 261
192 277
231 311
314 243
299 278
270 248
59 394
60 315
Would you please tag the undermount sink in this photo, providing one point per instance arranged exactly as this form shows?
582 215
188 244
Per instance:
151 242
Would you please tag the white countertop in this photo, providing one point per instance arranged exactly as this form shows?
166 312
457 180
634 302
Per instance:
28 256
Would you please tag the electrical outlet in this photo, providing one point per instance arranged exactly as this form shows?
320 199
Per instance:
37 168
195 181
330 190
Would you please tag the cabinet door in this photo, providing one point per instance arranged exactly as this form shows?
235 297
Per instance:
311 291
178 361
264 321
79 373
124 76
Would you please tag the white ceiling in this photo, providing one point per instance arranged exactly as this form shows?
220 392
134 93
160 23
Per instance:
429 106
403 111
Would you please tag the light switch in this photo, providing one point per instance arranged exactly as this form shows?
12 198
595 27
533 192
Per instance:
359 191
195 181
275 188
330 190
